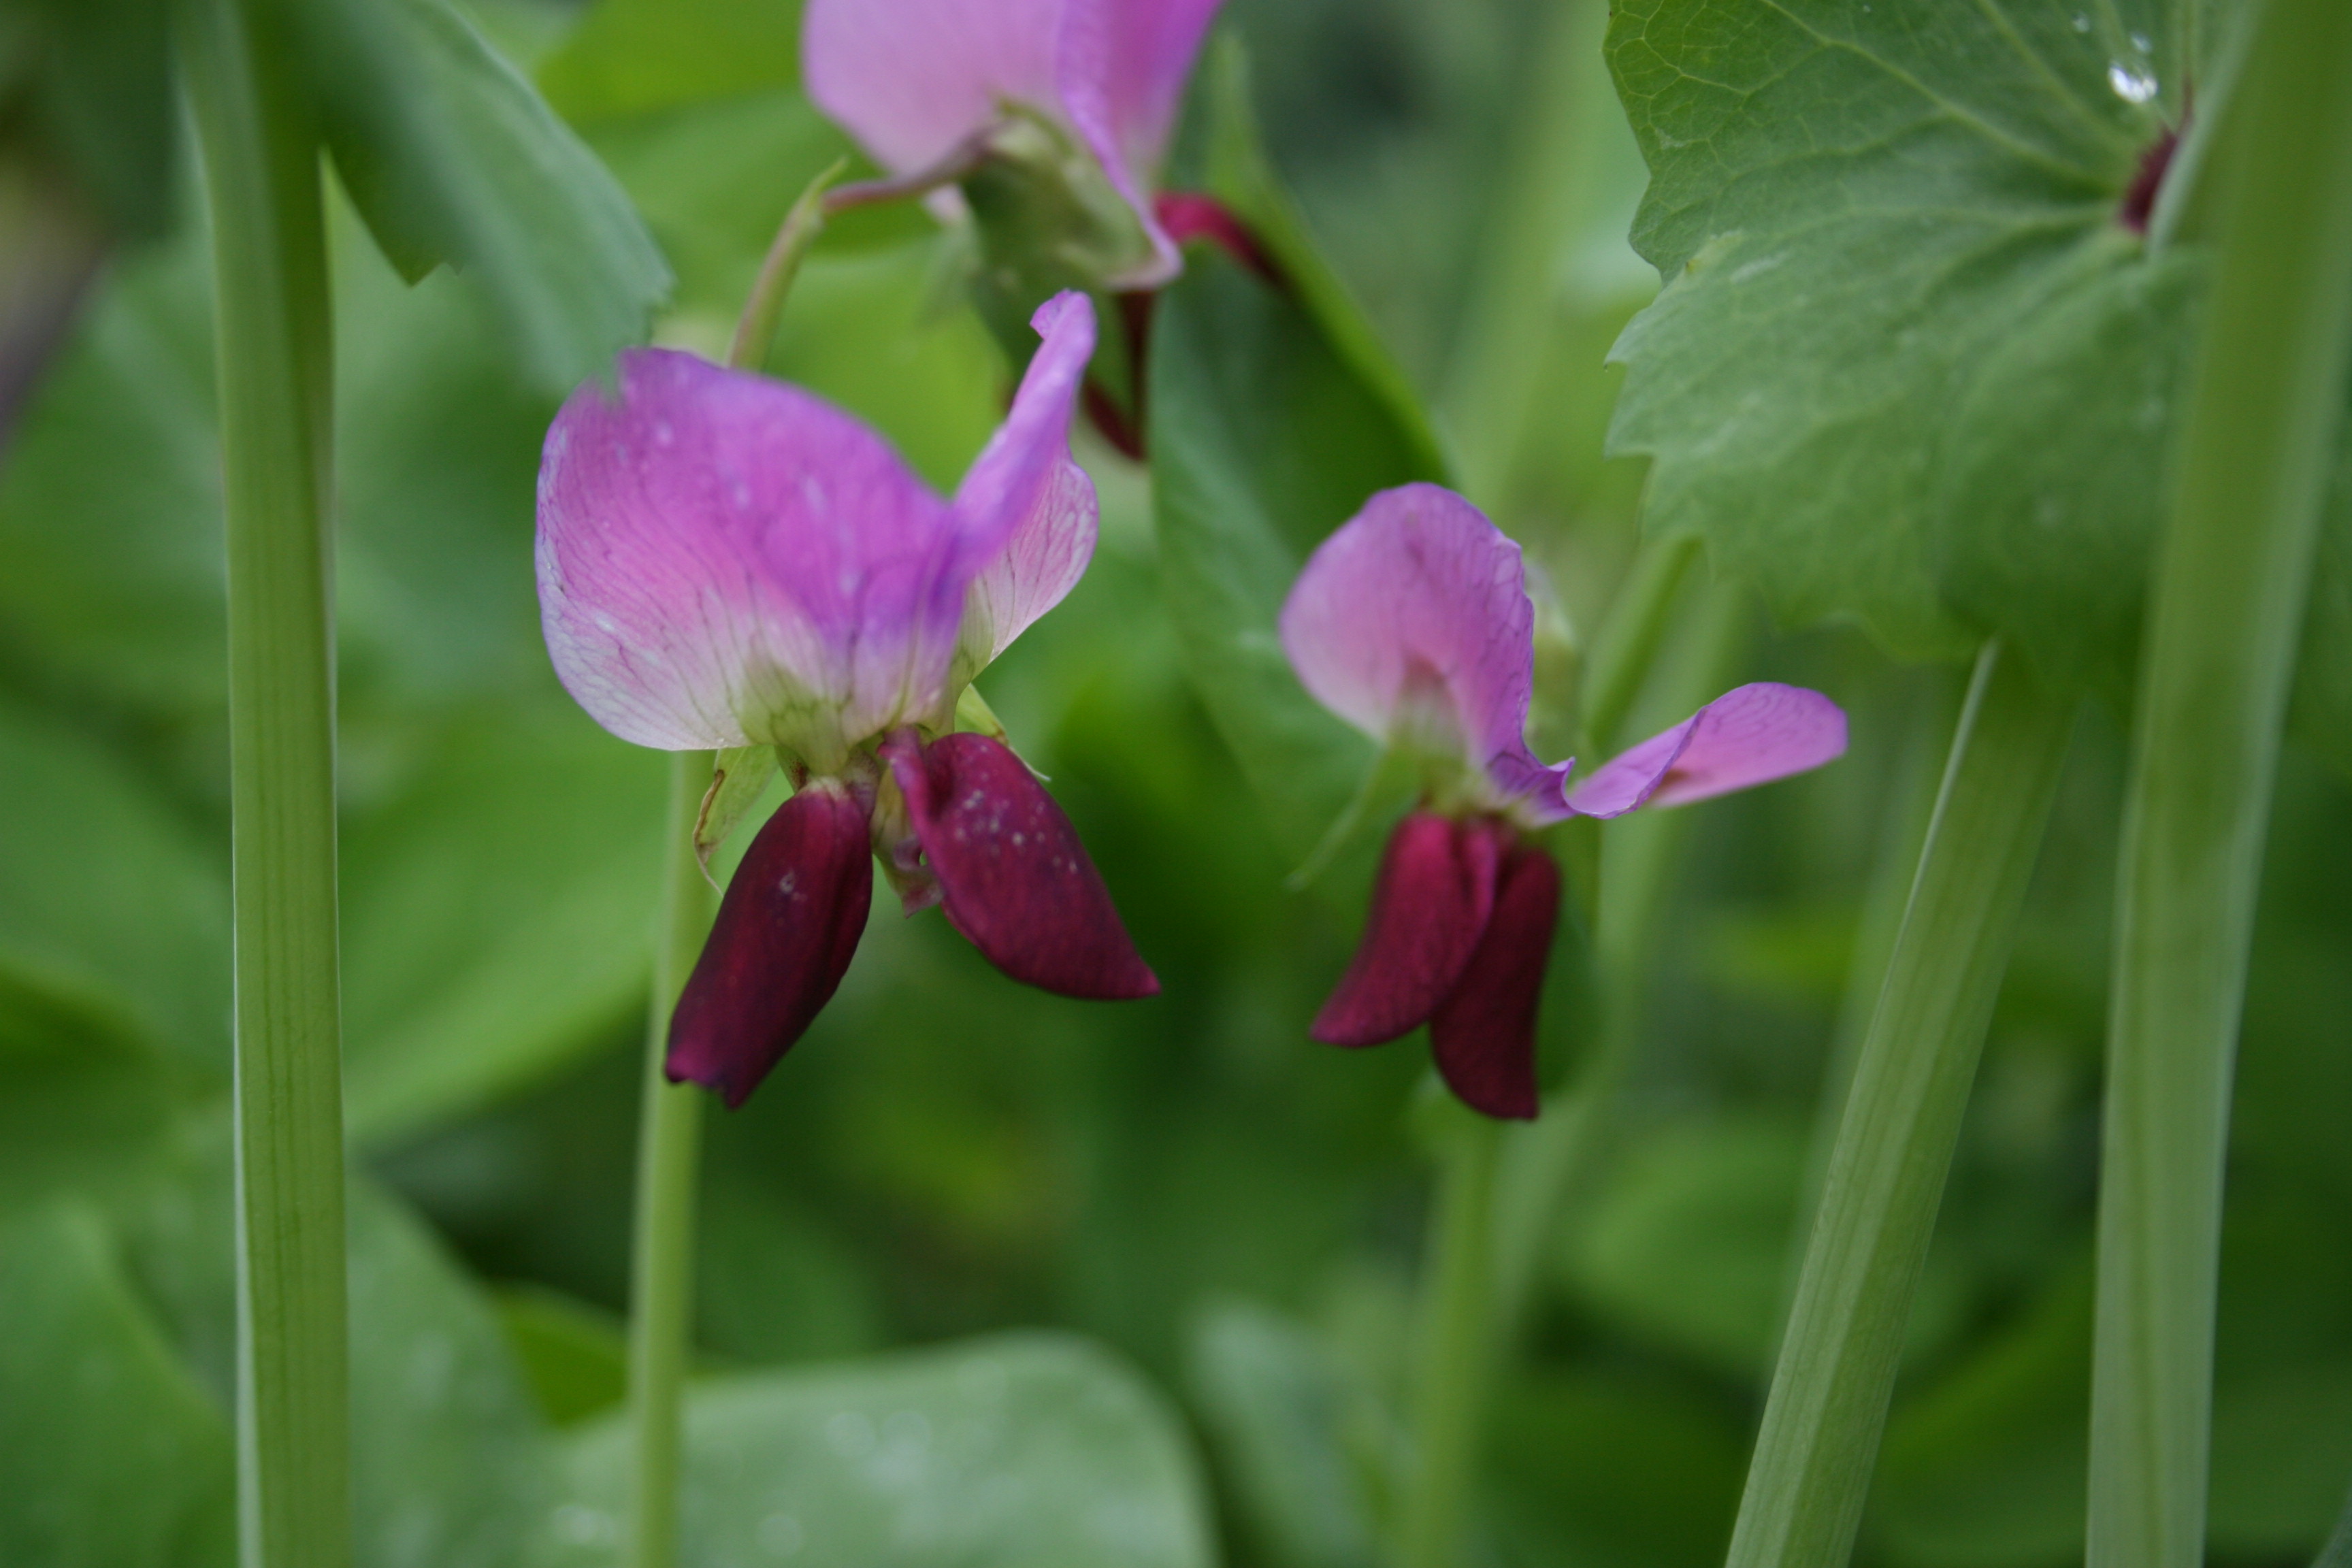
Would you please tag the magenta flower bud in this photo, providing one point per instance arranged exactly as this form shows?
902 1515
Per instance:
914 79
725 560
1413 623
786 931
1013 876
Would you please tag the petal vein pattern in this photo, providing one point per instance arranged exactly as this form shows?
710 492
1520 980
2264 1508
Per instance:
1413 623
1030 513
725 560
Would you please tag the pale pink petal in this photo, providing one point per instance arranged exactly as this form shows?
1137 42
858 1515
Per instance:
1121 67
1750 735
725 560
911 79
1029 511
1415 612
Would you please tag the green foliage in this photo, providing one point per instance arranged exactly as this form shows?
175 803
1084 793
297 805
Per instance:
1030 1449
85 89
454 160
633 56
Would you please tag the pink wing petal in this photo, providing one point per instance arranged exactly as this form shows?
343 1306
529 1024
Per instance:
785 935
1430 906
1749 735
1483 1036
724 560
1121 69
1419 595
1015 879
911 79
1030 512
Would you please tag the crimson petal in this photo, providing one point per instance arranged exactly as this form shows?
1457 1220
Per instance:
1436 891
1015 878
1484 1035
785 931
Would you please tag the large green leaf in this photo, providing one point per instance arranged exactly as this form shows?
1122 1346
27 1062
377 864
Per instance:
455 159
111 1455
106 894
1020 1451
496 917
1907 365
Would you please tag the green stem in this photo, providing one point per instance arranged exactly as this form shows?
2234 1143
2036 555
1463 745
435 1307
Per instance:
669 1139
1456 1346
755 328
1548 1162
2226 606
1628 643
272 318
1838 1359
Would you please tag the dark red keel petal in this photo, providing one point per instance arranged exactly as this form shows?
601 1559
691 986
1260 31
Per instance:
786 929
1015 879
1484 1033
1436 891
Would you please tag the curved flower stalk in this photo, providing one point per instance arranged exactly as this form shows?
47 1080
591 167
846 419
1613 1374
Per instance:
725 560
1086 90
1413 623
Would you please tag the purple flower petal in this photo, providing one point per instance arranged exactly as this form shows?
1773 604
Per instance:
1015 879
1415 612
1749 735
1029 511
725 560
1121 70
1430 906
1484 1034
786 930
911 79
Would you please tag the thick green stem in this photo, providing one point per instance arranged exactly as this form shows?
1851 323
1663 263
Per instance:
273 324
2226 607
669 1140
1885 1180
1456 1348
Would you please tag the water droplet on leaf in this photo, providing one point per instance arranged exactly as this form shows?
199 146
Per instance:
2131 85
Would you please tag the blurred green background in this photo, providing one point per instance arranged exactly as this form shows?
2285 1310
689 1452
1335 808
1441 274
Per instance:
1218 1223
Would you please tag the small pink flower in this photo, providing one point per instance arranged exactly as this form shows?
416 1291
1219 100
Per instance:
1413 623
727 561
912 79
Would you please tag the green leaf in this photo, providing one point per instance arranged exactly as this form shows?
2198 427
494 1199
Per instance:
107 894
630 56
496 917
1292 1435
575 1357
452 1465
455 159
1023 1450
84 1100
111 1455
1907 367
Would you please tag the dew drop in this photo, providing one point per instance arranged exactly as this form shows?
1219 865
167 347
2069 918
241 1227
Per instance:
2081 23
2132 86
2139 42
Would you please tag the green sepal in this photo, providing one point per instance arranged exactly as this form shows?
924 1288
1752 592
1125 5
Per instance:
736 776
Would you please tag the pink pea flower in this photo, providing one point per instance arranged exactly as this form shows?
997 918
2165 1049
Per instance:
914 80
727 561
1413 623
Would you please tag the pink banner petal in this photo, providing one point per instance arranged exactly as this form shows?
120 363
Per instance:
1121 69
911 79
1419 597
1030 512
725 560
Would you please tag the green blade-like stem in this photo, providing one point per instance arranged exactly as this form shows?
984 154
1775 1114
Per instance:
1455 1353
2266 400
1885 1180
669 1143
260 158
